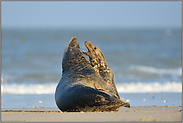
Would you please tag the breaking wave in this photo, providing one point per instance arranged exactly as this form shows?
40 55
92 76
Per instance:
149 87
28 88
152 70
49 88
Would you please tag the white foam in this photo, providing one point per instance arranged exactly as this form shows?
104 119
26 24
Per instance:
149 69
149 87
122 88
28 88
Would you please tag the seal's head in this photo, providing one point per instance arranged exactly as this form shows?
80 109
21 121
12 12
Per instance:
95 54
73 44
72 55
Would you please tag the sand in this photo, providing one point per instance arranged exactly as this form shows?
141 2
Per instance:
135 113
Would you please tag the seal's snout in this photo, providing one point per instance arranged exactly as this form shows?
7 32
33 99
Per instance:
88 44
89 47
73 42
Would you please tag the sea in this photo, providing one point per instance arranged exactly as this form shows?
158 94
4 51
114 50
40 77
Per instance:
146 63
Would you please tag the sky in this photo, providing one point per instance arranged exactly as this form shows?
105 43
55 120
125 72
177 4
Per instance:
91 14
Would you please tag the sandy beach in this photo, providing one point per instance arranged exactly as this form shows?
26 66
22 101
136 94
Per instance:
135 113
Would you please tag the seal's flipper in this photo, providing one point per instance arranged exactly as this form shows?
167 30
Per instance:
111 105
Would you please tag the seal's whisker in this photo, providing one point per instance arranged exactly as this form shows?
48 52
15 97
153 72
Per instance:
98 45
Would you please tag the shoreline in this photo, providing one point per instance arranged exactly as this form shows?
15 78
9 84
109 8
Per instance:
48 100
135 113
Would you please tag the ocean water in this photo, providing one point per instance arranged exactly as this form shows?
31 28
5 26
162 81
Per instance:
143 60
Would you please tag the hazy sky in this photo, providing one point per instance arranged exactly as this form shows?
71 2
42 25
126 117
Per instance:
85 14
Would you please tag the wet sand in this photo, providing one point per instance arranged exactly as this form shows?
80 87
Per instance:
135 113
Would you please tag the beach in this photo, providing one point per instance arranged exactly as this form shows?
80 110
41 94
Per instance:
42 108
135 113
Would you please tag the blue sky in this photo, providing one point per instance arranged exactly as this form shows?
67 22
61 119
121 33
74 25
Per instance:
88 14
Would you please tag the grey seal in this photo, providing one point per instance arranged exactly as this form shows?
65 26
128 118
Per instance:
98 61
81 88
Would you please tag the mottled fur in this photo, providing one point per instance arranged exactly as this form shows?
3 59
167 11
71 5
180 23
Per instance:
97 60
81 88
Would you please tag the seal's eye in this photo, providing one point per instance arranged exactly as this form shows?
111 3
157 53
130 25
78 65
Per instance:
95 48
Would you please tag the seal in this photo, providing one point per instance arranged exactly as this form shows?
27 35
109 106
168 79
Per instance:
98 61
81 88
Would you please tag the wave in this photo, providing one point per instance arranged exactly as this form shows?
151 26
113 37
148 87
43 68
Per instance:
149 87
149 69
49 88
28 88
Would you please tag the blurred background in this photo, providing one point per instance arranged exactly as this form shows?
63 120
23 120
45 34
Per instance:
140 40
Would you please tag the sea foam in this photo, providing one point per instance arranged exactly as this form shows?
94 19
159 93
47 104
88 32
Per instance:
49 88
142 87
153 70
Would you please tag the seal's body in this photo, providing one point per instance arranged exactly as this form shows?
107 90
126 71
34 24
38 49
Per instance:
81 88
98 61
